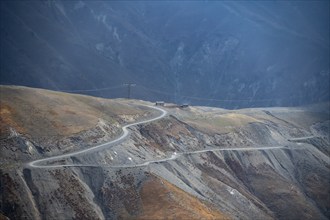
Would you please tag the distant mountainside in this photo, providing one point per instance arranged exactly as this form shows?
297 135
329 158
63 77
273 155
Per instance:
228 54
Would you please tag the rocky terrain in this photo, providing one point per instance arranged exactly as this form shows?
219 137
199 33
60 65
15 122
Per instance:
194 163
230 54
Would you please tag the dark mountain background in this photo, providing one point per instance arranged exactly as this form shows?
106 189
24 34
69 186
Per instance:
227 54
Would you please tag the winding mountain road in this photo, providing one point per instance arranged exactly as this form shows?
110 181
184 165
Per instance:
35 163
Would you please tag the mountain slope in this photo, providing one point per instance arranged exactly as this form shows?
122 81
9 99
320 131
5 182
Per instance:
201 162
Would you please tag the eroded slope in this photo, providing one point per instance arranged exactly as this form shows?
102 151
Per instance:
195 163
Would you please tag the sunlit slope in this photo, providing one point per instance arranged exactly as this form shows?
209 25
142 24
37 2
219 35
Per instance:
263 163
217 120
44 115
33 114
161 200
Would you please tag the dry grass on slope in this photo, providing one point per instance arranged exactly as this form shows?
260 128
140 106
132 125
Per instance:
218 123
163 200
44 113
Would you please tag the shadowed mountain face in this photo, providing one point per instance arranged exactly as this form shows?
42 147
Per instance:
229 54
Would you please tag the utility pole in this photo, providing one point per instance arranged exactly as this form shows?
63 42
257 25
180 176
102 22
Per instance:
129 89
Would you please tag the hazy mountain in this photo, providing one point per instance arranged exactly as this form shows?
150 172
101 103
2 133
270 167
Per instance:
243 53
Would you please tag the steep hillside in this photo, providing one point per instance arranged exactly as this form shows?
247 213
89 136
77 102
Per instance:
60 122
193 163
219 53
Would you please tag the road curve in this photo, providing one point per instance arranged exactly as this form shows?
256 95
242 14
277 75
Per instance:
34 164
174 156
302 138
